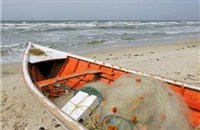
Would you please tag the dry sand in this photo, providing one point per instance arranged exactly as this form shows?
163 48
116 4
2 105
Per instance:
19 110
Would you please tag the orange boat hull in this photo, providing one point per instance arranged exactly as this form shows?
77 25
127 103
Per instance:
76 72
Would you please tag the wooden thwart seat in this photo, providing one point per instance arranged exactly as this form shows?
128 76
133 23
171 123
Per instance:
57 79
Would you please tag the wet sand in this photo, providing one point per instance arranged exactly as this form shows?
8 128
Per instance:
179 61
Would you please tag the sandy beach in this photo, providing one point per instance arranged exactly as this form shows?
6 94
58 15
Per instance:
179 61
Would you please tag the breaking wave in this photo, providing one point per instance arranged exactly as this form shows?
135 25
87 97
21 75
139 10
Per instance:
76 36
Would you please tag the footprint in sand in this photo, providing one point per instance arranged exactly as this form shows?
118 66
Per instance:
13 113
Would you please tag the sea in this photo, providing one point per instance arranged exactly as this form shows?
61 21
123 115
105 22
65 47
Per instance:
85 36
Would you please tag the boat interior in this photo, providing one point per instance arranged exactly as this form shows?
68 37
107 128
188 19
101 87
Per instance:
54 78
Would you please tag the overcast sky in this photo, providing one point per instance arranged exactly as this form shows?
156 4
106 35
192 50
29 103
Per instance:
100 10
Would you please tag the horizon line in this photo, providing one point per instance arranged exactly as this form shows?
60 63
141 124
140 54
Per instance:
95 20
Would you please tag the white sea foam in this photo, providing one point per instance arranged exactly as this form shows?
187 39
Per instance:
74 36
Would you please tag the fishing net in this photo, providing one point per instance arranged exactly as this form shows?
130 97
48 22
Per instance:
137 103
36 52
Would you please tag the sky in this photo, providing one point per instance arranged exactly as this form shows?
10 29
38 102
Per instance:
100 10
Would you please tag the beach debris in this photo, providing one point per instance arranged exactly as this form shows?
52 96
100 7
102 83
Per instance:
193 46
7 73
58 125
37 52
42 128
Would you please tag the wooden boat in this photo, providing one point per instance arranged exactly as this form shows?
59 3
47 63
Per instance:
46 66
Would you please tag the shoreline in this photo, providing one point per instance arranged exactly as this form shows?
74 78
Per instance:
138 44
179 61
101 47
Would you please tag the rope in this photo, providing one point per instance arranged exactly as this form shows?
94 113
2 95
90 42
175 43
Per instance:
78 106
